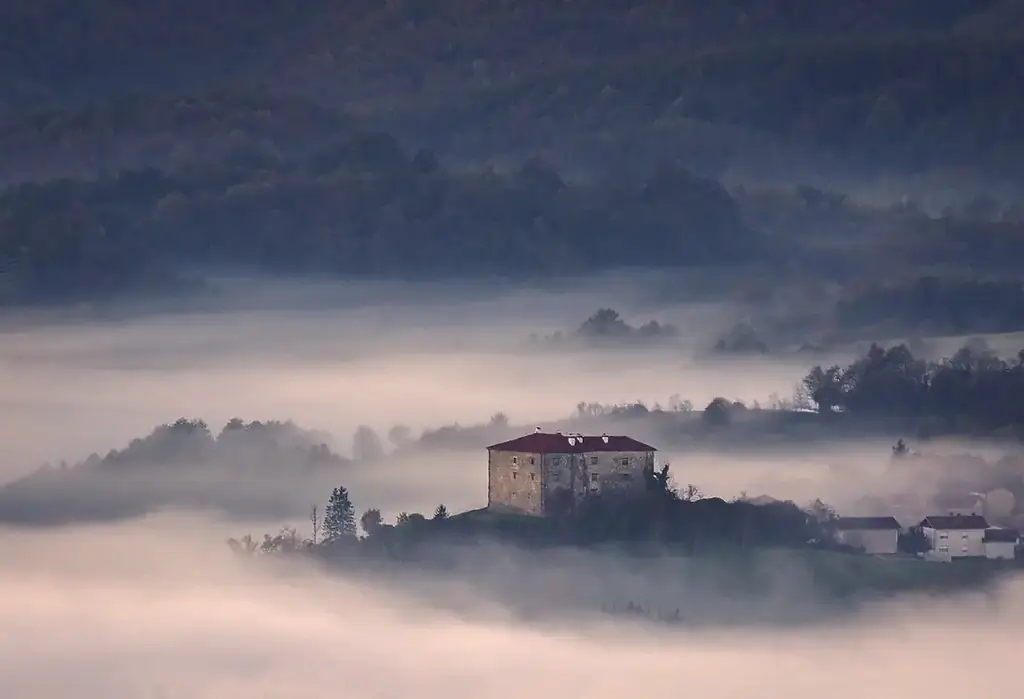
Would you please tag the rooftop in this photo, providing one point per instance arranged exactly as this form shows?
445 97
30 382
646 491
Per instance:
559 443
866 523
998 534
955 521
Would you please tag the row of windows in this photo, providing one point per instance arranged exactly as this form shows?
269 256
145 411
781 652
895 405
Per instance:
593 477
557 460
945 535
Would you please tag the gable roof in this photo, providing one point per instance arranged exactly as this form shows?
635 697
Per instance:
558 443
958 521
998 534
866 523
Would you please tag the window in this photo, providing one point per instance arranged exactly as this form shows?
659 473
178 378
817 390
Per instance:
531 461
593 478
554 477
625 461
964 535
943 549
533 477
593 461
514 474
943 536
515 460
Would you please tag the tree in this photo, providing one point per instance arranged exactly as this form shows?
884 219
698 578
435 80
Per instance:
366 445
913 541
407 519
441 512
314 518
718 413
823 515
245 546
371 521
658 481
339 516
678 405
399 436
691 493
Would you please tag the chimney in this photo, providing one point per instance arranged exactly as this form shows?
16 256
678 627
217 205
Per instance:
536 430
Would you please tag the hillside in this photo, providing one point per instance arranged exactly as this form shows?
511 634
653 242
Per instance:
878 87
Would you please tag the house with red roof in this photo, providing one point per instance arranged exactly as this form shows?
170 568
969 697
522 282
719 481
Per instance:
547 473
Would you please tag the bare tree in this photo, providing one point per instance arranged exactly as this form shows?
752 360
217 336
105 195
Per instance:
691 493
314 518
244 546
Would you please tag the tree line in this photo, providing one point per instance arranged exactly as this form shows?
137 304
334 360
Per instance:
680 519
361 206
973 391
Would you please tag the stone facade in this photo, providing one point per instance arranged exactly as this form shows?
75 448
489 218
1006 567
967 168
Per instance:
514 482
545 474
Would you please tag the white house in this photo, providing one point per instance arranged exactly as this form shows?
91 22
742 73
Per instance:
955 535
1001 543
875 535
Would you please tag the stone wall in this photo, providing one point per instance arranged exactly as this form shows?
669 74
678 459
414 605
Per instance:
514 482
616 471
541 484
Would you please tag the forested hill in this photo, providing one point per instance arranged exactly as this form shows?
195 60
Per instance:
56 43
144 139
364 206
906 85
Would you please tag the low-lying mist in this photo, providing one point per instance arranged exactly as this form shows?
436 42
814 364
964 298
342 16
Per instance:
331 358
160 609
336 357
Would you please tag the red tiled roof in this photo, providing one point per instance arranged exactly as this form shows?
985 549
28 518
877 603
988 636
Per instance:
548 443
967 522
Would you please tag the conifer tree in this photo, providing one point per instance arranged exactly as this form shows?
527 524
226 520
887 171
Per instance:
339 516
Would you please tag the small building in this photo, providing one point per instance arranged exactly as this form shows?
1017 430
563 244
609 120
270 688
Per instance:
1001 543
875 535
955 535
546 473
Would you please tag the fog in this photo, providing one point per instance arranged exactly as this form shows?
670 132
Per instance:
154 605
159 609
333 357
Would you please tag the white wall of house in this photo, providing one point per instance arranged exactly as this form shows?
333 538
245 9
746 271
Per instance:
873 541
1000 549
955 543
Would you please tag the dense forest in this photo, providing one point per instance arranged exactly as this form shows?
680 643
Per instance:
896 87
147 146
364 206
